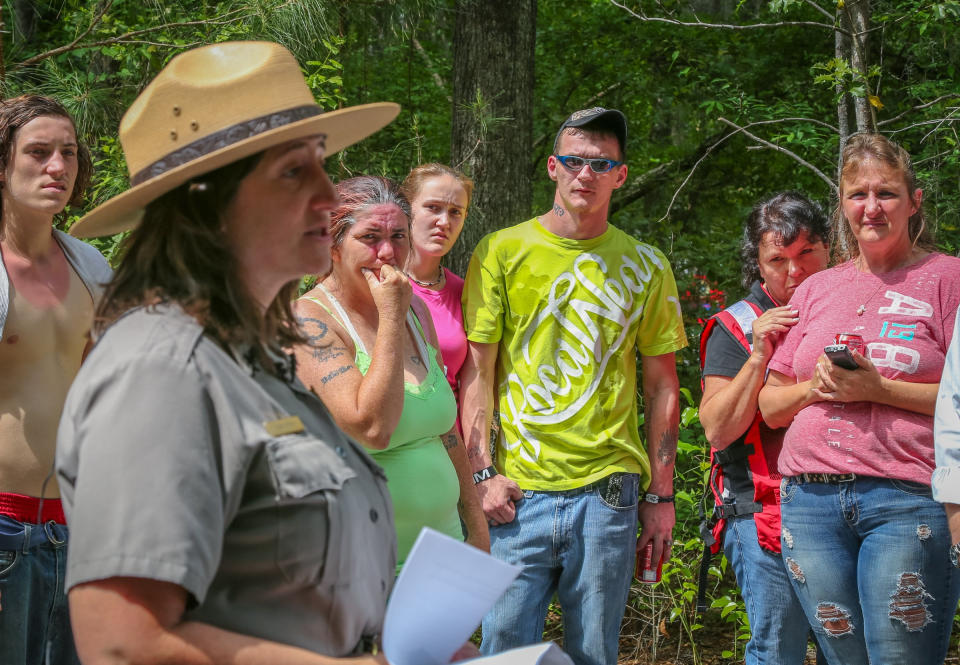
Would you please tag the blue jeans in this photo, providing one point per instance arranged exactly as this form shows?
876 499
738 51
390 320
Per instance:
778 627
34 619
869 561
579 544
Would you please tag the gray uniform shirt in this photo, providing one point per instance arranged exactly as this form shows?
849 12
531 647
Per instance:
178 463
87 262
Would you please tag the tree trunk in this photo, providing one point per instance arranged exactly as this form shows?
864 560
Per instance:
492 133
860 61
842 52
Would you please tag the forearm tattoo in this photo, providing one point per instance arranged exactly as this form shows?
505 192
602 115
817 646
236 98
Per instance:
667 448
450 441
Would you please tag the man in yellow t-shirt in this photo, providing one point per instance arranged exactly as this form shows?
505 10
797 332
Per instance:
556 309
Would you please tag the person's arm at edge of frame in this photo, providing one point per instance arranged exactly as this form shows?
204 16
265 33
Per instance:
140 622
729 404
477 381
946 437
661 392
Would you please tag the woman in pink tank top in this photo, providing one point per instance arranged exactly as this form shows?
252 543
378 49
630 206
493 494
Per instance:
865 544
439 198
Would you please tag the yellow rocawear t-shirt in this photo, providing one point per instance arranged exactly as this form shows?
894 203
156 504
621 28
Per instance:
569 317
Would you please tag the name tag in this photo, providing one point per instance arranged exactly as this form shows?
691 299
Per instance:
288 425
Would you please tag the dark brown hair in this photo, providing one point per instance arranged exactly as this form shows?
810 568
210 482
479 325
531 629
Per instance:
862 148
179 253
17 112
786 215
421 174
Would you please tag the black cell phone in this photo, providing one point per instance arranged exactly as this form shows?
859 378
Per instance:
840 356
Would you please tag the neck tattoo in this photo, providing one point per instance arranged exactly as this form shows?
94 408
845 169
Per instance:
428 284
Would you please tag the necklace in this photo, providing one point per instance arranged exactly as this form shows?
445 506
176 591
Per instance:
428 284
863 305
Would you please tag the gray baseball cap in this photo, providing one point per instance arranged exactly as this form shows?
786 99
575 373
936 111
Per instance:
611 119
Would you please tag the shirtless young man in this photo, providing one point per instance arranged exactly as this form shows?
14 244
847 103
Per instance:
49 283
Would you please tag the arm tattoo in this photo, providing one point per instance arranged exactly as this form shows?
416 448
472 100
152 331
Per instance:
667 449
320 326
335 373
316 332
450 441
416 360
558 210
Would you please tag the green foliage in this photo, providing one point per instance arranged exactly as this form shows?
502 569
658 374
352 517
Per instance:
673 82
124 47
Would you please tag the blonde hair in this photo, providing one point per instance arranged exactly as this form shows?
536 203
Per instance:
859 149
419 175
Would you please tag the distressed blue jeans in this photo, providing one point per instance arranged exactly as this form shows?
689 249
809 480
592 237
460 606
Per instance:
778 627
34 618
869 560
579 544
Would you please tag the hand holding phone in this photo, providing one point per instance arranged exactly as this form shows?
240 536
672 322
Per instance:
840 355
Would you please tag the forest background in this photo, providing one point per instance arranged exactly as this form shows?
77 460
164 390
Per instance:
728 101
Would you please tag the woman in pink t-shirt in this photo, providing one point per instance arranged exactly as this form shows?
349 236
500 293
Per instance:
864 542
439 198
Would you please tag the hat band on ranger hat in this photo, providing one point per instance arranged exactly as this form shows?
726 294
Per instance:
212 106
223 138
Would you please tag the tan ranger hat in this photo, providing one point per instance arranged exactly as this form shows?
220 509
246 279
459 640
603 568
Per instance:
214 105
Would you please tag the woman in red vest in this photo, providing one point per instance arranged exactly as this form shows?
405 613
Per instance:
783 244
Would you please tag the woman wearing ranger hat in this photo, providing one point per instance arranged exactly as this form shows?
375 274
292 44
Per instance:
217 513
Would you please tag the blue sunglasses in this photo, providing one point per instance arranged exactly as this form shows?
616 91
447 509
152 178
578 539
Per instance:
574 163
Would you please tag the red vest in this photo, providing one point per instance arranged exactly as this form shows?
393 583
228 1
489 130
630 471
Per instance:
745 458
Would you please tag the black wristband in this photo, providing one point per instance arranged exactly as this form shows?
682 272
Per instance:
484 474
656 498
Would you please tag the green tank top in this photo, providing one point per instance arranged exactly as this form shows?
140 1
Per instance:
420 476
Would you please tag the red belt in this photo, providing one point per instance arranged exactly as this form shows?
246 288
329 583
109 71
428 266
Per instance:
27 508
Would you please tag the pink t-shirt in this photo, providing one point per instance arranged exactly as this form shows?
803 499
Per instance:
447 313
907 326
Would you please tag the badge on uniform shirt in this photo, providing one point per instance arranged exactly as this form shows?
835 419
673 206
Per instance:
288 425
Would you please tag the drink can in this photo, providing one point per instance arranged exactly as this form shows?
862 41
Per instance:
853 342
645 571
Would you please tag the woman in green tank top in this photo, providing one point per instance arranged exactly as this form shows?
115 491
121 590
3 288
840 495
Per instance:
372 358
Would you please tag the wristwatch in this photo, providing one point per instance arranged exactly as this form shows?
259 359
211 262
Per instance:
656 498
955 555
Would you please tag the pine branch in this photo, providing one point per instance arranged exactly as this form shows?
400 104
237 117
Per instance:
797 158
641 185
124 38
819 9
934 121
724 26
918 108
437 79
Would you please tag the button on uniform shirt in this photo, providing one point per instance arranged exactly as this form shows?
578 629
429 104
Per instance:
183 463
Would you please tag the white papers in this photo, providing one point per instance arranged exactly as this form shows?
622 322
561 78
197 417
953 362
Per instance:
443 591
536 654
